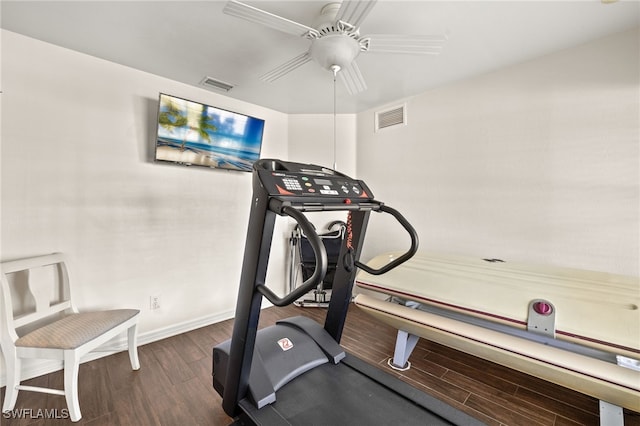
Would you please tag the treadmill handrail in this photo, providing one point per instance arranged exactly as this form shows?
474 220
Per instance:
404 257
321 262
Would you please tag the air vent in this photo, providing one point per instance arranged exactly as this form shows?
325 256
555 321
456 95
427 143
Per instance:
391 117
212 83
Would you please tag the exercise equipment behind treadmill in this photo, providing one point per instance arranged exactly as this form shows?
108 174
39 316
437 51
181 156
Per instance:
302 263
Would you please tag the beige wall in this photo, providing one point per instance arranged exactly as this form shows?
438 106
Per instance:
311 140
78 177
538 162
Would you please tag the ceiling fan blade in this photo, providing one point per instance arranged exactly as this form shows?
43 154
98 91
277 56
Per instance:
253 14
412 44
352 78
286 68
354 11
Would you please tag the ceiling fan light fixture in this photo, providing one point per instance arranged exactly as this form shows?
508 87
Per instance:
338 49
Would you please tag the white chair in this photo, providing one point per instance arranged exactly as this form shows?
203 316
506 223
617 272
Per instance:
40 321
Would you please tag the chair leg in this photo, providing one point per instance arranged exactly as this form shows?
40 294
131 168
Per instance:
71 367
133 346
13 364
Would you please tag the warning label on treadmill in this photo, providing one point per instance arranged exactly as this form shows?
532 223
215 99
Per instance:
285 344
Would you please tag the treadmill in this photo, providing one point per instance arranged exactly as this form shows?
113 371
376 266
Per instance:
295 372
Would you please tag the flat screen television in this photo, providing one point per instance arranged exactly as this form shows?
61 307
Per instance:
192 133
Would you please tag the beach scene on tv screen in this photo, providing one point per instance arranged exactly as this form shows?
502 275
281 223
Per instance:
193 133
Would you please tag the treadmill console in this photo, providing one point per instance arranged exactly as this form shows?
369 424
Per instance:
286 179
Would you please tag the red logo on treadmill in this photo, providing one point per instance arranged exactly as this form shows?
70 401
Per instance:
285 344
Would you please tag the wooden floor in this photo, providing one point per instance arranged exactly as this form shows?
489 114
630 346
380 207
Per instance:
173 387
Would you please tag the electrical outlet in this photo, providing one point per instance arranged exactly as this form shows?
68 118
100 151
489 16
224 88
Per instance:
154 302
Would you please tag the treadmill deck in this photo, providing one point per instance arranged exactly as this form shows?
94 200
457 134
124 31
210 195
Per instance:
354 390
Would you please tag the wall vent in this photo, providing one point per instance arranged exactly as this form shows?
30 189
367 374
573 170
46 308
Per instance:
391 117
212 83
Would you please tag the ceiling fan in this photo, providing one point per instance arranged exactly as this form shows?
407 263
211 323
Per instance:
336 40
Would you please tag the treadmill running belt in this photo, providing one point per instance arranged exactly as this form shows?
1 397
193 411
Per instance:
332 394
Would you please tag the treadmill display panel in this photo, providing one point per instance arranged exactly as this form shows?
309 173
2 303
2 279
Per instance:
308 185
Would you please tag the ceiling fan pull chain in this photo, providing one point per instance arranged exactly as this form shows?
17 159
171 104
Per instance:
335 69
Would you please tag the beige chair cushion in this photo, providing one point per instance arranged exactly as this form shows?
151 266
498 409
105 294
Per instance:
75 330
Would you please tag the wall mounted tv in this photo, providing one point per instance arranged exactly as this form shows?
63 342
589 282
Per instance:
192 133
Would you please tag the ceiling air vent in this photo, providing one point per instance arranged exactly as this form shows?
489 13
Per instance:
391 117
212 83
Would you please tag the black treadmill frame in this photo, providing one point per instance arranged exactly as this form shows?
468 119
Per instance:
264 209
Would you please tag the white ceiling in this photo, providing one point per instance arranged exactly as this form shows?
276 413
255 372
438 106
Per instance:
188 40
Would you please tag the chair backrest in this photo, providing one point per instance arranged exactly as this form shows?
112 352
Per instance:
32 290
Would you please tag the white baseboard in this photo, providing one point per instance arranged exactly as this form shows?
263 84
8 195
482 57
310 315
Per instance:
38 367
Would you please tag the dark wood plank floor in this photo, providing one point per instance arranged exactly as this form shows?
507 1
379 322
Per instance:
173 387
